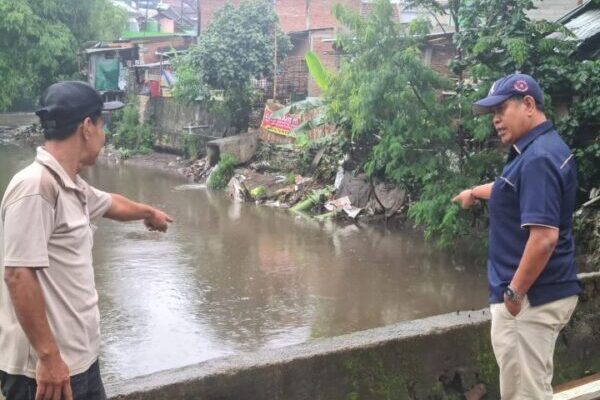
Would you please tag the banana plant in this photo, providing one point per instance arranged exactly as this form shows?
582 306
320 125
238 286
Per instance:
316 69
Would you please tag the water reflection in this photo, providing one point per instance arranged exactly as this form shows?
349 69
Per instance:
231 278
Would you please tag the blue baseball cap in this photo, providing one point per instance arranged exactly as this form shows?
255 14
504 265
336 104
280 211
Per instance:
507 87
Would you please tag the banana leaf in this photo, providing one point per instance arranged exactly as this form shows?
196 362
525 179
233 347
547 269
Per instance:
307 104
321 76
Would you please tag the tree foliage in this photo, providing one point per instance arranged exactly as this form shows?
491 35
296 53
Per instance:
130 136
418 125
40 39
236 47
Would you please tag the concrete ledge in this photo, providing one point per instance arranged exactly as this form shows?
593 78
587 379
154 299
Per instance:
294 372
437 357
17 119
440 357
242 147
587 388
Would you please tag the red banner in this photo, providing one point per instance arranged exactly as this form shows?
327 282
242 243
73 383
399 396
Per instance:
281 126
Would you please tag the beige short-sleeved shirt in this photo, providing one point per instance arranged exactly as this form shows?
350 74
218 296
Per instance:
46 223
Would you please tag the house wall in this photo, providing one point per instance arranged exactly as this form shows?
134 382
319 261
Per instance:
321 43
148 48
167 25
292 13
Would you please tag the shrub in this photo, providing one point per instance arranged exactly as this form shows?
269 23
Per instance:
129 133
192 145
223 172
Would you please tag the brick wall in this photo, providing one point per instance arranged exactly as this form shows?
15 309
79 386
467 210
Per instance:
292 13
367 8
437 52
440 58
322 44
148 48
208 8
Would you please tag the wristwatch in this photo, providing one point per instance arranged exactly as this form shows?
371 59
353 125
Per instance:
512 295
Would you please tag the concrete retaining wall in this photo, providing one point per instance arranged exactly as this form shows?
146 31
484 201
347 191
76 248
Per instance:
441 357
17 119
242 147
171 121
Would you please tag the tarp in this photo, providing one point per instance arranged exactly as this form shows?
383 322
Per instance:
378 198
107 74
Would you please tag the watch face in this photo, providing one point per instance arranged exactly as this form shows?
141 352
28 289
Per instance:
511 295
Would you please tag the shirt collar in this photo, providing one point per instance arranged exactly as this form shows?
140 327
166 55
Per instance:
530 136
48 160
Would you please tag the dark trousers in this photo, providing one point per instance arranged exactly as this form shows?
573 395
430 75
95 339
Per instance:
85 386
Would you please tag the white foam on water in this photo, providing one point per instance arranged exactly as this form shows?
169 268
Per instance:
195 186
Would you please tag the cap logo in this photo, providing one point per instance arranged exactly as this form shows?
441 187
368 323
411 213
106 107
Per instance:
493 89
521 86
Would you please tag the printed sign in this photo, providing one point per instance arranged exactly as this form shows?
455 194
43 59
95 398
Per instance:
280 126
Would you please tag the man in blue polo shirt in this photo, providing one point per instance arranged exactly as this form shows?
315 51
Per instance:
531 265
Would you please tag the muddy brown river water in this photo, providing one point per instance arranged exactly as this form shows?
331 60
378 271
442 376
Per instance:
232 278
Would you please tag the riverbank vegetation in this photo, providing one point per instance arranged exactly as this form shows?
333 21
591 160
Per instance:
416 124
129 136
222 173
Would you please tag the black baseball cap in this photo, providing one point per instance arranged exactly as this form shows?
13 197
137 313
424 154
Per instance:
66 103
507 87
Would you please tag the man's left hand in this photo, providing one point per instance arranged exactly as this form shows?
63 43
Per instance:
159 221
513 308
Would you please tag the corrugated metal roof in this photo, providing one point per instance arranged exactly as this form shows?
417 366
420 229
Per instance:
585 25
153 65
124 46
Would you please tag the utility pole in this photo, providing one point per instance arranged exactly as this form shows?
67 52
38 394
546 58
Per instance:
274 53
199 10
307 13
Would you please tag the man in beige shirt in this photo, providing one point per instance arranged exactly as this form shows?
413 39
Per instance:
49 317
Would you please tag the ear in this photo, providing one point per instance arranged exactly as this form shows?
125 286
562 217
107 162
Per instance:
86 125
530 105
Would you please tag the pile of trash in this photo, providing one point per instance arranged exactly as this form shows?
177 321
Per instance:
349 197
269 189
29 134
6 133
198 171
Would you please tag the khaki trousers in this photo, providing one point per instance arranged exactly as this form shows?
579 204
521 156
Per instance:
524 347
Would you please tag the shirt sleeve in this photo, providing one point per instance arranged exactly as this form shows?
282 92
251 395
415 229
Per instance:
98 202
540 193
28 224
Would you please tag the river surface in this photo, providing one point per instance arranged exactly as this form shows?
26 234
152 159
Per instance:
232 278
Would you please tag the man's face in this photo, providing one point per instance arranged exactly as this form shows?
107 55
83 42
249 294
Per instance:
96 138
510 120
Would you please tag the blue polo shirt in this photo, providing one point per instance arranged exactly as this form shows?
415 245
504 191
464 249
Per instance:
537 187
